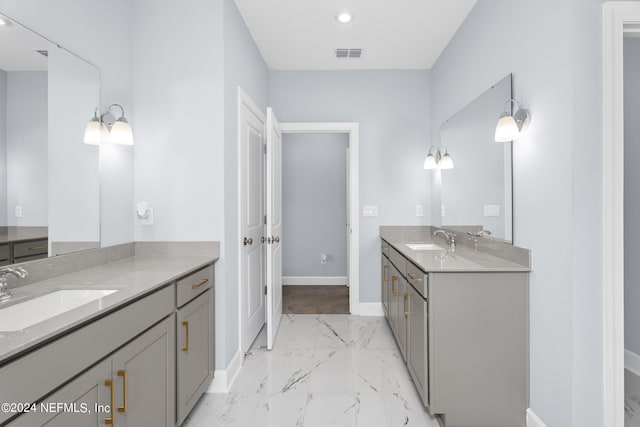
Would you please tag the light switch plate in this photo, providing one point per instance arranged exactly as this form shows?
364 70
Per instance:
491 210
369 210
419 210
442 210
18 211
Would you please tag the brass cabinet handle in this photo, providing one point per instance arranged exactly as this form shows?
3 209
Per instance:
37 248
186 325
385 276
202 282
414 277
109 420
122 373
394 286
406 312
247 241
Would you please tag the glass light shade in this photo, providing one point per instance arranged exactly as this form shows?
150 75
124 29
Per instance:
430 162
121 132
446 162
507 129
92 132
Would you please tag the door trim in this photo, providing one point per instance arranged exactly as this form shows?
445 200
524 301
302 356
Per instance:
617 17
353 130
243 99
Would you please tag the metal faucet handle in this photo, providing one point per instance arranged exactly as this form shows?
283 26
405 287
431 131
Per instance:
19 272
481 233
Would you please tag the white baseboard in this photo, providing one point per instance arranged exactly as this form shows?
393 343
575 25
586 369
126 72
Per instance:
316 280
223 379
371 309
632 362
533 420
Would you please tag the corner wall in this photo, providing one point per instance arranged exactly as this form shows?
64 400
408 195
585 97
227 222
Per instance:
553 50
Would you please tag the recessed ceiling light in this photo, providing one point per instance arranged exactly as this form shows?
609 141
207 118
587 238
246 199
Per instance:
344 16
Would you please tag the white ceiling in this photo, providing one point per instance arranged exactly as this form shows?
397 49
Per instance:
395 34
18 49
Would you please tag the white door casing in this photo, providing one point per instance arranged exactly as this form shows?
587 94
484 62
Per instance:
353 207
274 227
618 18
251 138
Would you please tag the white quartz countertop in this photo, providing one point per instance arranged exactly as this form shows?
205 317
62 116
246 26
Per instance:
463 259
132 277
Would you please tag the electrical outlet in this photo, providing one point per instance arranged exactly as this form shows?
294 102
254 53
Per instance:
419 210
18 211
370 210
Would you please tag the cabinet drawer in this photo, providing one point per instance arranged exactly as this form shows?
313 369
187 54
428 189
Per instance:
418 279
192 285
27 249
398 260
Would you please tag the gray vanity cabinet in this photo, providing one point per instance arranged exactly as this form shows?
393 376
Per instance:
87 392
134 387
417 359
143 378
195 351
403 317
394 299
385 285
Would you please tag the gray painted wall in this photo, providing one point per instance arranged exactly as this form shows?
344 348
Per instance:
3 148
314 204
557 180
631 194
392 108
27 140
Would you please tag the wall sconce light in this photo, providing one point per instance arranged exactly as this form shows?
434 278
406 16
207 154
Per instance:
510 127
117 130
435 158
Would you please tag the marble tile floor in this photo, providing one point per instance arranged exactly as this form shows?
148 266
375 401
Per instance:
631 399
324 370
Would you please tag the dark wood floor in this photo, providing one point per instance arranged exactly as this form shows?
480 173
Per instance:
315 299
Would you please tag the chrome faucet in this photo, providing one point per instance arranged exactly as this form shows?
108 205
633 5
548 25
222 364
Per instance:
451 238
481 233
19 272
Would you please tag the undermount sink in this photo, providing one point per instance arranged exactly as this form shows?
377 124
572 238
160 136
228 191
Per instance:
24 314
424 247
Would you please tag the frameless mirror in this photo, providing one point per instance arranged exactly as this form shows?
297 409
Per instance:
49 179
477 193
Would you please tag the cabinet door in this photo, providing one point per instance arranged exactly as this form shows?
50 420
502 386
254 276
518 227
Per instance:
385 285
417 343
144 378
403 313
195 353
86 400
394 299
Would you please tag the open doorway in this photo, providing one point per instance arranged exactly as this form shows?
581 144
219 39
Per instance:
329 261
315 223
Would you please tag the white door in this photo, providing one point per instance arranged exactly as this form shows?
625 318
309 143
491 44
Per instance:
252 143
274 227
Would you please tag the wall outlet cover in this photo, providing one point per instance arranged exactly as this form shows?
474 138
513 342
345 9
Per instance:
419 210
18 211
369 210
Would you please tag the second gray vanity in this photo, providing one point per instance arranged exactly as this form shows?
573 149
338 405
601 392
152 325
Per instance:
461 321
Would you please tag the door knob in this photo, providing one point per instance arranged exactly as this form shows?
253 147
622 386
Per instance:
262 239
247 241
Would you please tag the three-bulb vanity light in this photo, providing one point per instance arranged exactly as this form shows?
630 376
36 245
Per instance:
510 127
435 158
117 130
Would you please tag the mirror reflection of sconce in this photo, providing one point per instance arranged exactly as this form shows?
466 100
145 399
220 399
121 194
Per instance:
435 158
117 130
510 127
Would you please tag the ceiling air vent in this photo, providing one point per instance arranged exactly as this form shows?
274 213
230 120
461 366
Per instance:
348 53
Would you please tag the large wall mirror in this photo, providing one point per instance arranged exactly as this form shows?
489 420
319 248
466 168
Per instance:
49 179
477 193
